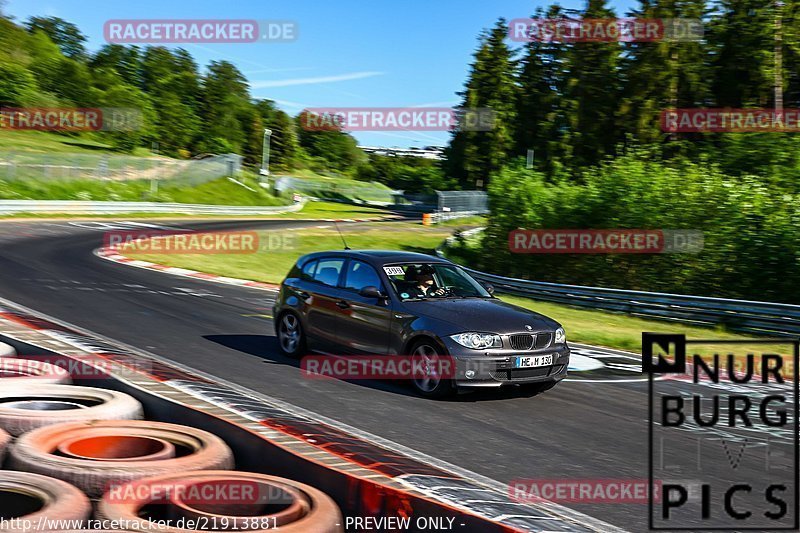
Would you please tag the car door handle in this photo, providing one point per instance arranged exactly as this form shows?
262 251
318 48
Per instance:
341 304
304 295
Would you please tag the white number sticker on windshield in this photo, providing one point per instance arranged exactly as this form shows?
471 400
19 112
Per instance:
394 271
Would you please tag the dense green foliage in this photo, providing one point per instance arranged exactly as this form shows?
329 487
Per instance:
591 111
576 104
409 174
752 242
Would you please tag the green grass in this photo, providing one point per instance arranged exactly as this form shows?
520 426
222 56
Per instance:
217 192
335 210
271 265
311 211
46 142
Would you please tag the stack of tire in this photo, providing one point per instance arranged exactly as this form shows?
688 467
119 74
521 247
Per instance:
71 452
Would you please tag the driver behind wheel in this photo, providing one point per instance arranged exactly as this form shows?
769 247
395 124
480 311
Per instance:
423 283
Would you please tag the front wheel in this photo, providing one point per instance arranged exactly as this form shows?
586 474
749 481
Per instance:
291 339
431 384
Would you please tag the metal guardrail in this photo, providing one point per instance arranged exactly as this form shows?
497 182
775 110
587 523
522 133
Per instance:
453 201
335 189
736 315
442 216
112 208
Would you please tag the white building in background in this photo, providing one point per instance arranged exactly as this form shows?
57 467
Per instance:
428 152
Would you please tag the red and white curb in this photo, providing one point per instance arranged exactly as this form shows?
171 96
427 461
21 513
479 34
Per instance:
111 254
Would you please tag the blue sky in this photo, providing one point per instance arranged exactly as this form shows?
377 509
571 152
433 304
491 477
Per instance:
348 53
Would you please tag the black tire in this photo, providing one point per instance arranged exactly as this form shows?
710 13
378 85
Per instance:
430 386
538 387
290 334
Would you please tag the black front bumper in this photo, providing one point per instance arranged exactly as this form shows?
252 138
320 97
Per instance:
494 370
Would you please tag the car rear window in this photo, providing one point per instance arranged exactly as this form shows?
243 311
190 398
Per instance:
307 273
328 271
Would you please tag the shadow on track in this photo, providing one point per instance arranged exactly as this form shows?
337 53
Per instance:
266 347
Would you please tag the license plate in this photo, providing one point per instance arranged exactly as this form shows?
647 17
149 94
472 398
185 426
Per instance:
529 361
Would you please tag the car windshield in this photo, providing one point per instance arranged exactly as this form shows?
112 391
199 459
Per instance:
420 281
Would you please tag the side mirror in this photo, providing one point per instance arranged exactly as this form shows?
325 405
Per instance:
489 288
371 291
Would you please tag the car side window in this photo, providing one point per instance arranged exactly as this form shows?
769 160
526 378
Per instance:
307 274
328 271
360 275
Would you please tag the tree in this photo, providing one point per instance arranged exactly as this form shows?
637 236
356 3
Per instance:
332 149
17 85
742 40
68 79
226 103
65 34
474 156
171 81
541 78
131 100
285 150
663 74
591 94
124 60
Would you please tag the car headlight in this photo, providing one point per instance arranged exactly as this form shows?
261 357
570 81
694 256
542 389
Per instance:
477 341
561 336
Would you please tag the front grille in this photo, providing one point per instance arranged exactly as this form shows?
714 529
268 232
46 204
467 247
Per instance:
543 340
529 341
520 373
521 342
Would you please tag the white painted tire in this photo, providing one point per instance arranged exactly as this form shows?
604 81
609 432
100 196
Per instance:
41 498
5 440
15 371
38 451
27 407
7 350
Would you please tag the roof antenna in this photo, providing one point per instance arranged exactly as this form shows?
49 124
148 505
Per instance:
340 235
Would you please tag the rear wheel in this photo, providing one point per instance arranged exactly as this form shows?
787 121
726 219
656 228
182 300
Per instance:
432 384
291 339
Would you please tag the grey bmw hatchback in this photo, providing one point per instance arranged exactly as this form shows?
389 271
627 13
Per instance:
350 302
